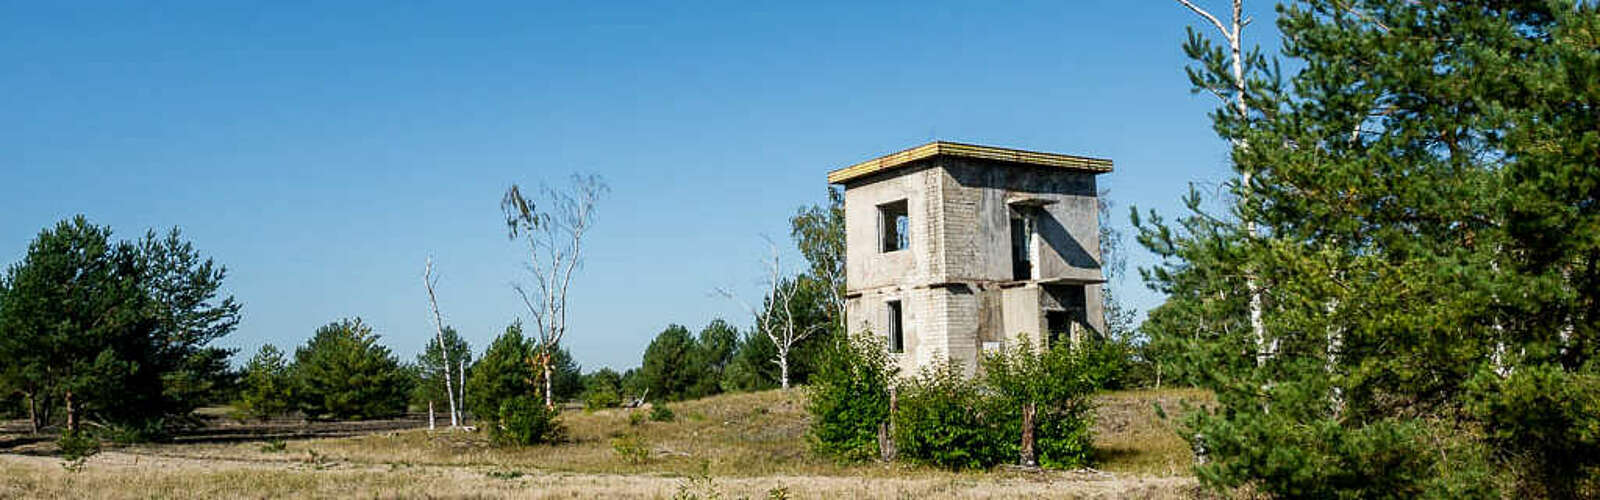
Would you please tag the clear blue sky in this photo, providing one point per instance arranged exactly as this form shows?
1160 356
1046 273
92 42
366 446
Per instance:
322 151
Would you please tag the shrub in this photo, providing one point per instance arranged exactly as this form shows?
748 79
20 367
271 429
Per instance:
526 421
1058 382
632 448
635 417
601 398
660 413
944 419
77 445
849 399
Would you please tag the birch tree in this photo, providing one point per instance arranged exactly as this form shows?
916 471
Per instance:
778 321
553 227
429 282
1231 88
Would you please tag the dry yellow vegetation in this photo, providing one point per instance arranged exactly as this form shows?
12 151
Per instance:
732 446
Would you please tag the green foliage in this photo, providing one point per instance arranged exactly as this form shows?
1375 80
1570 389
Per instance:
431 370
274 446
668 370
636 417
849 398
602 389
633 448
525 421
714 352
267 385
1427 199
566 378
1059 382
505 372
115 331
944 419
660 413
344 373
75 446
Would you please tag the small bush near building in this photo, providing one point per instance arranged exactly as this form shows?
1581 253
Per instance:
946 420
849 399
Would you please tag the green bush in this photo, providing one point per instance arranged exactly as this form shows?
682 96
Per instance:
76 446
660 413
849 399
1058 382
633 449
944 419
525 421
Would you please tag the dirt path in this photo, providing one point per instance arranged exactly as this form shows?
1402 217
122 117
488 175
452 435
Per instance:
125 474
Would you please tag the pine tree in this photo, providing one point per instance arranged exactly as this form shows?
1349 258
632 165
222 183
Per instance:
1429 197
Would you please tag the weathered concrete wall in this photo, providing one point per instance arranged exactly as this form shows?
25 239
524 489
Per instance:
978 231
949 280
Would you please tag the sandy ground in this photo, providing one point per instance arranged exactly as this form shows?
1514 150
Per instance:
122 474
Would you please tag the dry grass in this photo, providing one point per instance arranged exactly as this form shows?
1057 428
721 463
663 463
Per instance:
750 444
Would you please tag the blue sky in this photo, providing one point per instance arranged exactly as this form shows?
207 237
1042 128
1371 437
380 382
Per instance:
322 150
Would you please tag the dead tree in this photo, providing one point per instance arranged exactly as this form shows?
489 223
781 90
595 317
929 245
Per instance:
444 350
554 234
777 322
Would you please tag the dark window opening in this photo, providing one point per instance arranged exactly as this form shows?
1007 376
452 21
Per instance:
1021 256
1059 325
897 334
895 225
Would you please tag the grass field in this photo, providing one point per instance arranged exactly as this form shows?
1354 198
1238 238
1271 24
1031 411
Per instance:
731 446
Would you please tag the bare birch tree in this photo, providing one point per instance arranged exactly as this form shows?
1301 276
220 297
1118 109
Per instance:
1235 99
553 229
777 322
444 350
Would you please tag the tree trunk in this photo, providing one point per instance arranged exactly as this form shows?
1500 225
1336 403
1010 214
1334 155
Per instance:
1029 458
549 398
462 388
33 413
72 414
431 425
886 430
783 367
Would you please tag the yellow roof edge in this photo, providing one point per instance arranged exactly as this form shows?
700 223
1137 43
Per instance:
938 148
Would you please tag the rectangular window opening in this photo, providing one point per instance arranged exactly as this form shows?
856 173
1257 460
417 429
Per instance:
894 223
897 334
1021 251
1059 324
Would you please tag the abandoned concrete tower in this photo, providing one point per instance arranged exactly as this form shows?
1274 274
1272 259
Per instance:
953 249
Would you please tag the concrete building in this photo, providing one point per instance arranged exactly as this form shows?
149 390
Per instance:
953 249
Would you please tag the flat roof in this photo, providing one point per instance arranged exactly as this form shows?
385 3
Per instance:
956 149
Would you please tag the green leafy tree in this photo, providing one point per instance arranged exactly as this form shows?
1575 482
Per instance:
1424 186
344 373
669 369
602 389
752 368
714 352
267 386
849 398
114 331
504 372
818 233
431 368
